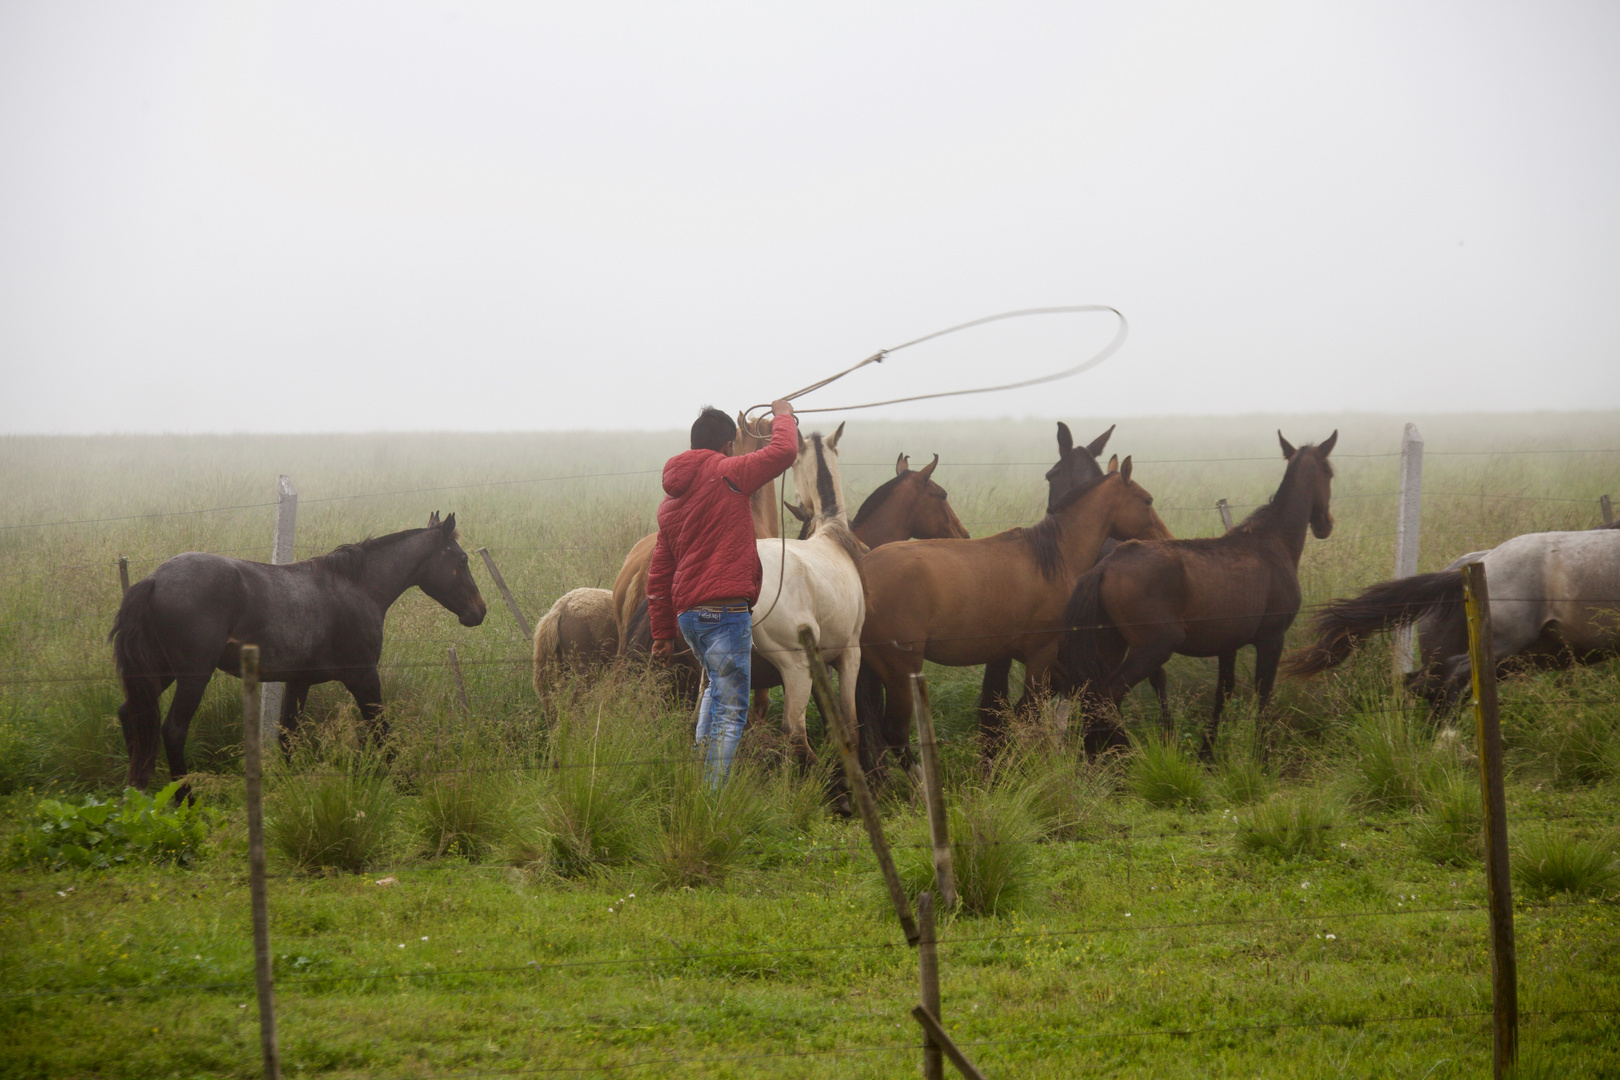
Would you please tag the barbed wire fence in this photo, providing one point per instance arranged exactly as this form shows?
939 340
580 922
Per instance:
934 1039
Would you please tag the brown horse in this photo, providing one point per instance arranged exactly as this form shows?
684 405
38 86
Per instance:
1203 597
908 507
967 602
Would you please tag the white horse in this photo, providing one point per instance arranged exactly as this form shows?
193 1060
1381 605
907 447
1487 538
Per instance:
817 583
1555 598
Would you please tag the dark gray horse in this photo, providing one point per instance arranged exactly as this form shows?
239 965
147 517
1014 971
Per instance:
314 621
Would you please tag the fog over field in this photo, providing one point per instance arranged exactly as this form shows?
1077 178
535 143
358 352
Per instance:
349 217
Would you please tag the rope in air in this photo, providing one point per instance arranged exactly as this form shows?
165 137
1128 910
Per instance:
878 357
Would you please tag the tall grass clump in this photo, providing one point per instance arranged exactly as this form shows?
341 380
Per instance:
334 806
1450 828
1572 743
1061 793
1288 826
992 858
695 834
1547 862
467 812
606 757
1165 777
1393 762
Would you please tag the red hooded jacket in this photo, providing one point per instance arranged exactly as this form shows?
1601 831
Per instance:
705 547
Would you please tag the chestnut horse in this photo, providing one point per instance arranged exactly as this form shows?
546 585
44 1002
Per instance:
1203 597
967 602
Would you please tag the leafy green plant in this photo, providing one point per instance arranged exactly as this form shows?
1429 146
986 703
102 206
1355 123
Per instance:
1166 778
1288 826
100 835
1547 862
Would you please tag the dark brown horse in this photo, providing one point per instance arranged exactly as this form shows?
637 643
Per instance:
968 602
1202 597
314 621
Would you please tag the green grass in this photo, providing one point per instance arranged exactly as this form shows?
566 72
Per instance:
732 934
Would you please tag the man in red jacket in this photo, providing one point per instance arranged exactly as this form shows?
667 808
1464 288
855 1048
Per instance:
705 572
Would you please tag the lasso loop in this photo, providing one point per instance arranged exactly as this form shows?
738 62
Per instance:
878 357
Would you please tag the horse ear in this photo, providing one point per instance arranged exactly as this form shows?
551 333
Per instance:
1287 447
798 511
901 464
448 525
929 470
832 443
1065 440
433 519
1125 469
1327 444
1095 446
802 443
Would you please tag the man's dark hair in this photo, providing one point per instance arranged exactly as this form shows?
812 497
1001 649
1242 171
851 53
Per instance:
712 429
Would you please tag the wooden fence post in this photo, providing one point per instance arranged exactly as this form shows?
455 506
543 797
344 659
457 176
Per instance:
928 984
840 727
253 772
282 551
1408 519
123 574
930 1026
1606 508
1504 961
511 601
933 792
461 685
1226 514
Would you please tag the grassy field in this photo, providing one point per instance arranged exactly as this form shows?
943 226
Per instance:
567 899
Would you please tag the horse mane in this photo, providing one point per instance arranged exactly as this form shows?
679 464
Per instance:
349 560
877 499
838 531
1263 515
1045 537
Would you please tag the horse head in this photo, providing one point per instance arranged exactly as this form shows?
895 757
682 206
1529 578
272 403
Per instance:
1076 466
816 476
1133 516
1317 472
445 575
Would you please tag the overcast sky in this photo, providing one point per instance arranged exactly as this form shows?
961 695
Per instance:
331 217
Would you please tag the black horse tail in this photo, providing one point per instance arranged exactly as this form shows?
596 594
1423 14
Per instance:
1080 663
136 649
1343 624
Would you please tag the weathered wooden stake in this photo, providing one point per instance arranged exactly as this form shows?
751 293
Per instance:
1408 519
253 772
461 685
928 983
1226 514
511 601
934 792
930 1025
840 727
282 551
1607 509
123 573
1504 961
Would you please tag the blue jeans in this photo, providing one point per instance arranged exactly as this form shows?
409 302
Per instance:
721 641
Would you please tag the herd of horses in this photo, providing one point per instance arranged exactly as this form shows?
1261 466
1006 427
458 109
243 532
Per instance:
1091 600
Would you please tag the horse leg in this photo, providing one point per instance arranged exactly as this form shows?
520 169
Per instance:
139 716
1267 652
188 694
1161 690
292 710
993 702
795 697
869 710
366 686
1225 683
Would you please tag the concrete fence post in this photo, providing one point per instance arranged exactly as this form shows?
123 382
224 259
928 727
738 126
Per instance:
1226 514
123 572
281 552
1408 520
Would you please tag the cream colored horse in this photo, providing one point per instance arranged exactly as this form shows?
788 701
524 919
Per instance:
814 583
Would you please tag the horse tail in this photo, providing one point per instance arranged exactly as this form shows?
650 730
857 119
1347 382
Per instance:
546 646
1080 663
1343 624
136 648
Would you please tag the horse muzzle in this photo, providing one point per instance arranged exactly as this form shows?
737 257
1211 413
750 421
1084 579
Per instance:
475 616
